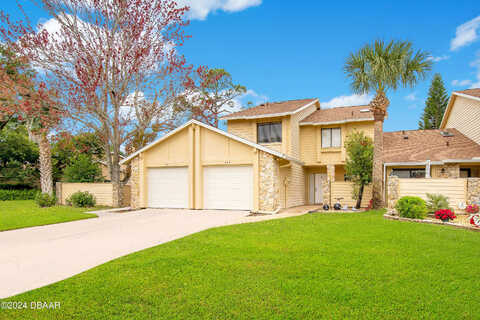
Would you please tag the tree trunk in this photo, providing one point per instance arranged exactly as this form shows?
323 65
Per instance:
45 159
360 196
116 181
379 107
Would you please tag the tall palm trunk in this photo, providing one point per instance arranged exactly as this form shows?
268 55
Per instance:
45 159
379 107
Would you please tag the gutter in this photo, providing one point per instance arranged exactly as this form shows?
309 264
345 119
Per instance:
335 122
424 163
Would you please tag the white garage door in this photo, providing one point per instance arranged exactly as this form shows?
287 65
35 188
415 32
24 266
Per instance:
168 187
228 187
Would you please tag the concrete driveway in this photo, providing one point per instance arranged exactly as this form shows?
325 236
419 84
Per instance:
34 257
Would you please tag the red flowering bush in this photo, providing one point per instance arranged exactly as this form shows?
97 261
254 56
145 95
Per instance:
473 208
445 214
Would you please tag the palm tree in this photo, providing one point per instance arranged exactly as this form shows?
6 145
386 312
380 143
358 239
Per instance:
380 67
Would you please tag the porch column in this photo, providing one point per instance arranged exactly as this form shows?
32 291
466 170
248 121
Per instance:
427 170
331 172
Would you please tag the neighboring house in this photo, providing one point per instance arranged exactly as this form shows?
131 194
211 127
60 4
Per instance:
431 161
106 171
430 154
463 113
273 156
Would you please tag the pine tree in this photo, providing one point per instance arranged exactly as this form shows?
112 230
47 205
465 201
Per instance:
435 105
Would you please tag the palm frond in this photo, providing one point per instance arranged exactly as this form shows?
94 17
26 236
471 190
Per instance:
382 66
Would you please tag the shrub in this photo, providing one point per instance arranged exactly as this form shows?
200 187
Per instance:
27 194
436 202
45 200
83 169
445 214
411 207
473 208
82 199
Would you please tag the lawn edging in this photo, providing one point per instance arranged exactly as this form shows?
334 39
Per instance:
390 216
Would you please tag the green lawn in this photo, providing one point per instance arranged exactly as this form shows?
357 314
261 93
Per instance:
25 213
353 266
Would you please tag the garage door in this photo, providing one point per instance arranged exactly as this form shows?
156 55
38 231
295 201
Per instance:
228 187
168 187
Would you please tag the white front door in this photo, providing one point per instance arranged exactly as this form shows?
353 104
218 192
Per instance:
228 187
316 190
168 187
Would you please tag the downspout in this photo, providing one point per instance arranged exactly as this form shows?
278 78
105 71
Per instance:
384 182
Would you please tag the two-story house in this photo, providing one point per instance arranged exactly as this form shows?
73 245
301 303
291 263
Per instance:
272 156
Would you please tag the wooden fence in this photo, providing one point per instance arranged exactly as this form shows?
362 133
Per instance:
343 189
454 189
102 192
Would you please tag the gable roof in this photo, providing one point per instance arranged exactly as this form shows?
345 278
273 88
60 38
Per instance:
423 145
473 94
272 109
338 115
206 126
470 92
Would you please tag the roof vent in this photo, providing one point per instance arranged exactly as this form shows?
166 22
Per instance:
446 134
404 135
364 110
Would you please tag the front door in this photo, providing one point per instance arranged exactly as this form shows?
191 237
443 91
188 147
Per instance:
316 190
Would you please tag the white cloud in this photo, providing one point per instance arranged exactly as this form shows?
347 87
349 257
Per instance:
476 64
242 101
461 83
345 101
439 58
411 97
466 34
200 9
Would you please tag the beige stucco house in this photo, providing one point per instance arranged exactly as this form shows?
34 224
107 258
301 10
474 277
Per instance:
291 153
272 156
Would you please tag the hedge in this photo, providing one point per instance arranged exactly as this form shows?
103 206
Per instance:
25 194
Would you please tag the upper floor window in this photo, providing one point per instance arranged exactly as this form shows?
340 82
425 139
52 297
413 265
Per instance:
331 138
269 132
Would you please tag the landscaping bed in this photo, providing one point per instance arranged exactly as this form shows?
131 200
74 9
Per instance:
462 221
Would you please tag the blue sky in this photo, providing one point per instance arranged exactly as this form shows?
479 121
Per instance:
284 50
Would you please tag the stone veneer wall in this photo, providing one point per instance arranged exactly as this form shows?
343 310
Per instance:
269 183
135 183
326 188
473 190
393 191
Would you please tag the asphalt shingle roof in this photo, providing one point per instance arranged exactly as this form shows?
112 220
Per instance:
471 92
339 114
268 108
423 145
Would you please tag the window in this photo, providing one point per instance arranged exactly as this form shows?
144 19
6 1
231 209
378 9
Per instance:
269 132
465 172
408 173
331 138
